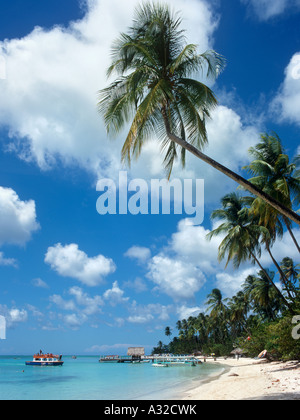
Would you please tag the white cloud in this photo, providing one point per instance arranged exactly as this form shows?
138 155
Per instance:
176 278
267 9
70 261
230 282
286 104
284 247
39 283
184 312
115 295
190 242
51 110
143 314
13 316
139 253
7 261
62 303
17 218
74 321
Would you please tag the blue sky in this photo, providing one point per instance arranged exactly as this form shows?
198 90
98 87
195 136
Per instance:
72 281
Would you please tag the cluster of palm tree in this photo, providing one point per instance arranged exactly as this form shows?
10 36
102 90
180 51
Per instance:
250 225
154 92
229 321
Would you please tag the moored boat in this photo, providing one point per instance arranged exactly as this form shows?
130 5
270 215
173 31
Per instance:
45 360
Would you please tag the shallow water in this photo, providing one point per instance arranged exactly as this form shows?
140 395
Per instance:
87 379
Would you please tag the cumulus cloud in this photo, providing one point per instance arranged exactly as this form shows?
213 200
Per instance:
18 219
286 104
39 283
176 278
190 242
70 261
51 110
230 282
13 316
115 295
7 262
267 9
143 314
184 312
141 254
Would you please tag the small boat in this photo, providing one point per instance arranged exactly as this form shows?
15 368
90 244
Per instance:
160 365
45 360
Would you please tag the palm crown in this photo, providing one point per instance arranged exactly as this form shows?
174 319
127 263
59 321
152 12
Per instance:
154 88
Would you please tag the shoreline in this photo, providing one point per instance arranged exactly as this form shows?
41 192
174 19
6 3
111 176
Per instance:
249 379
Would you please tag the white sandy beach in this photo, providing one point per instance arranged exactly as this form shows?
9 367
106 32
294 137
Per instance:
249 379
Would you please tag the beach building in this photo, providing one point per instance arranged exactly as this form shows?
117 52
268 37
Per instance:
136 352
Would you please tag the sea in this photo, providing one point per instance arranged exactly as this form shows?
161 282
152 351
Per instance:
85 378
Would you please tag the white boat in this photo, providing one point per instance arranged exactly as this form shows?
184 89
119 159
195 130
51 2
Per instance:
160 365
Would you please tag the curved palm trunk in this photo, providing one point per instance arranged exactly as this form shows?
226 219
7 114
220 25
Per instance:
288 213
274 285
291 233
282 275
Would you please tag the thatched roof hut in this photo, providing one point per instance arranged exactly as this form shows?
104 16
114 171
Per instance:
136 351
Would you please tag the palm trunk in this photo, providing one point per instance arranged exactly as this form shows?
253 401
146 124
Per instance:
282 275
290 214
274 285
291 233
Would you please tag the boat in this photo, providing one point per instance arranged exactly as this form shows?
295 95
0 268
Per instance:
45 360
159 364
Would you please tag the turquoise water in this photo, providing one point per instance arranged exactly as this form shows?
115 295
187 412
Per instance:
86 379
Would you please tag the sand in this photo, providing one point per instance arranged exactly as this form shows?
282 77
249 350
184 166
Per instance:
248 379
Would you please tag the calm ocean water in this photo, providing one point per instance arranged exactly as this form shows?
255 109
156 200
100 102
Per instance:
86 379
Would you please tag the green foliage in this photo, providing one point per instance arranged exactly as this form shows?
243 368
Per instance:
276 338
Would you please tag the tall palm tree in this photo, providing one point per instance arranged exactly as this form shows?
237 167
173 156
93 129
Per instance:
292 273
242 236
216 304
155 92
168 332
274 173
265 296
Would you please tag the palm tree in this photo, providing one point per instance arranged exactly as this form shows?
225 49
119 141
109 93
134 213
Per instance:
273 173
265 296
168 332
154 91
291 272
242 236
238 307
217 307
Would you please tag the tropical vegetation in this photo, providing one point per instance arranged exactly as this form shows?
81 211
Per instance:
260 315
